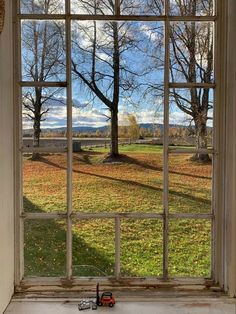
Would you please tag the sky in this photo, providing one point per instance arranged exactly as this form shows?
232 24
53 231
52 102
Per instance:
148 58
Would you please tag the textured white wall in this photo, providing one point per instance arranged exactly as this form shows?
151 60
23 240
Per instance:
6 163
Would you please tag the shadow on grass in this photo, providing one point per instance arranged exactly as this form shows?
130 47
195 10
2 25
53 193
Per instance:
45 249
131 160
132 182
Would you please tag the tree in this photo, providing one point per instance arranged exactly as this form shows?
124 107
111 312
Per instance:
102 61
192 61
134 129
42 59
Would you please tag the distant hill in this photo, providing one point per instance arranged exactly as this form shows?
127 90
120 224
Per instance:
87 129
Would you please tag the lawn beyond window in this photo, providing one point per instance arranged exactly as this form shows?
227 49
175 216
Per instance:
133 185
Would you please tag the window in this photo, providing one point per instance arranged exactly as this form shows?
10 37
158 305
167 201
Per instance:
148 61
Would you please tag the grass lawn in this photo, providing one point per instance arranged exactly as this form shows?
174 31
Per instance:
134 185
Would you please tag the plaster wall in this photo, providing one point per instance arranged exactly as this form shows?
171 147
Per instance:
6 163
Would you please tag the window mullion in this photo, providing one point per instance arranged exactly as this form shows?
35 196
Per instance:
166 144
69 144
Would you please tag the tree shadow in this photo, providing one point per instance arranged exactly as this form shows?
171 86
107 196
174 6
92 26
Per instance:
133 183
132 160
45 249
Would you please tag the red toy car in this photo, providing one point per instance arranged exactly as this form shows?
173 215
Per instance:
106 298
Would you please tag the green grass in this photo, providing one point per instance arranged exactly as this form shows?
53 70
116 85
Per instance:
134 148
134 185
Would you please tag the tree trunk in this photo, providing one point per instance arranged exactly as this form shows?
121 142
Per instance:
114 134
36 138
201 139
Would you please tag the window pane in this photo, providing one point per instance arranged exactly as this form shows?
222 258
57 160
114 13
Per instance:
134 181
43 50
190 248
141 248
191 118
191 52
44 117
142 7
42 6
133 184
93 247
190 184
93 7
192 7
45 248
44 183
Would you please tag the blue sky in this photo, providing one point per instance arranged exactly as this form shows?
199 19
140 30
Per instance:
148 58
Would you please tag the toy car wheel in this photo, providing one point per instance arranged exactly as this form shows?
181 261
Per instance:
111 304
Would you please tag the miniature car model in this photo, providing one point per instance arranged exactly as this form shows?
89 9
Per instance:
84 305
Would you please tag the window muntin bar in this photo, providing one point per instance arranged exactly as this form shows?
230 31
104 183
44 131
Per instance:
69 143
118 17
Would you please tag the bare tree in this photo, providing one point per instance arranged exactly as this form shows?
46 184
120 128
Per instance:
103 60
192 61
191 58
42 59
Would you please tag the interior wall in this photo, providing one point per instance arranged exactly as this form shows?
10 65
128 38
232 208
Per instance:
6 162
230 199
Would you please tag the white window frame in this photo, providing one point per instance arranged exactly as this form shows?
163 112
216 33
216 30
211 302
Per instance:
218 229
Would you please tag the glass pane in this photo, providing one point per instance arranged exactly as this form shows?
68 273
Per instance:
133 184
190 248
93 7
45 248
191 118
43 50
190 184
133 180
191 52
44 182
142 7
93 247
44 117
141 248
192 7
42 6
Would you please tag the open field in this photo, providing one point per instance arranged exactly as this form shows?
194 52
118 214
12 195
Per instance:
134 185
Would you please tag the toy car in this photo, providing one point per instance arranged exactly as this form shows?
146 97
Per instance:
105 299
83 305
